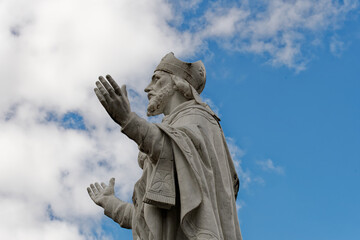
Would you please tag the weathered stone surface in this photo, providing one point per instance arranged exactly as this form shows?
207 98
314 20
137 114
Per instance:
189 184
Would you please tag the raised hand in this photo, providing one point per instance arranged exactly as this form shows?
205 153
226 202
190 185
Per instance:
114 99
101 194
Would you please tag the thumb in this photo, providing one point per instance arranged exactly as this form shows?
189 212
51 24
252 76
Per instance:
112 182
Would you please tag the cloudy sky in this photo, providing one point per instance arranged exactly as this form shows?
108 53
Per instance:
282 74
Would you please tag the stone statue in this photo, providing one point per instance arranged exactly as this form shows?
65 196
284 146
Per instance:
189 184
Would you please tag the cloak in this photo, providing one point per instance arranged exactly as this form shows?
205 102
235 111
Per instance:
189 184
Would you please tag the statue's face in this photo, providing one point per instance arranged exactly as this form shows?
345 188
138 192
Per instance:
159 91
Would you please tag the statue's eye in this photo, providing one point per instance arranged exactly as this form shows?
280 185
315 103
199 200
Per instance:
155 79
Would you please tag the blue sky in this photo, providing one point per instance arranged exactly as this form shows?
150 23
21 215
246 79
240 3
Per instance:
283 76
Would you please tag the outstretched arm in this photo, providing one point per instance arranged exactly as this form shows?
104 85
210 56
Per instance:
115 101
104 196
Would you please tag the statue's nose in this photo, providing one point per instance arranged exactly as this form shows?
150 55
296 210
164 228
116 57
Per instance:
147 89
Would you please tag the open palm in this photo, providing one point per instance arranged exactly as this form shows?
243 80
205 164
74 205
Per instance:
101 193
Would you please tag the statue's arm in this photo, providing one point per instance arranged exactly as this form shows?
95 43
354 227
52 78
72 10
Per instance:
104 196
148 136
115 101
120 211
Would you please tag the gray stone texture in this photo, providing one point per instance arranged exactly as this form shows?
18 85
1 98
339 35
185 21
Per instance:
189 184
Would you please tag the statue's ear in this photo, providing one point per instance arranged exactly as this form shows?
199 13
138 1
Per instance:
183 86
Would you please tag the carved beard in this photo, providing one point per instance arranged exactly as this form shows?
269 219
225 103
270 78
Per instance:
158 102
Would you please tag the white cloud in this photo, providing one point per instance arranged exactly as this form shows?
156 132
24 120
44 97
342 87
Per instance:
212 105
33 223
246 176
189 4
337 46
281 30
236 155
51 54
268 165
240 204
222 22
44 164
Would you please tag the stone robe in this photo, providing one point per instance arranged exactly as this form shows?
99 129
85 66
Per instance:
189 184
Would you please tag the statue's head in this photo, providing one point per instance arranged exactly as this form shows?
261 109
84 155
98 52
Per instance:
173 75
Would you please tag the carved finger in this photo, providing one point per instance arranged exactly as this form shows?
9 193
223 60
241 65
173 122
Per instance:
114 85
124 95
107 86
95 191
103 91
103 185
101 98
123 90
98 187
112 182
91 194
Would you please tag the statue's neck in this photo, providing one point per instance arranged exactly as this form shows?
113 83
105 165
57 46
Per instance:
174 101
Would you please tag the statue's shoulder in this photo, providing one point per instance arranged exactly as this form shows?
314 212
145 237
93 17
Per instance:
194 114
